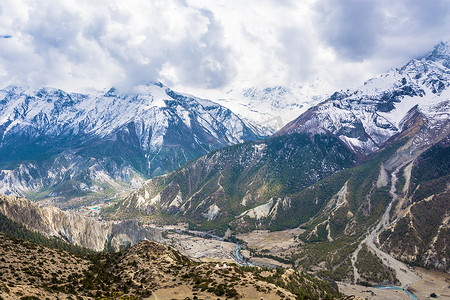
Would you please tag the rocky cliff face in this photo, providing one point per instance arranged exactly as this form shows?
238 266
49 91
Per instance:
72 227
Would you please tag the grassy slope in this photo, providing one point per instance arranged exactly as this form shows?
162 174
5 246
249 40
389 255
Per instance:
256 171
344 225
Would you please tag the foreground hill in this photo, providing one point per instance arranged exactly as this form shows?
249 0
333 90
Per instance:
33 271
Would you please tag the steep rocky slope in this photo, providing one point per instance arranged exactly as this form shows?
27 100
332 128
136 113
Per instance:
421 235
252 182
393 207
56 144
73 228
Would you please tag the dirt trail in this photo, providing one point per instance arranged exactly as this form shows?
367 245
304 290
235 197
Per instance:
405 274
356 275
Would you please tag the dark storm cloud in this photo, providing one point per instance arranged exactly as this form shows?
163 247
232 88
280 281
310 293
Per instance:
357 29
351 27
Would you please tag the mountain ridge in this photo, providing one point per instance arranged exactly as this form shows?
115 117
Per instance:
355 175
366 117
229 182
80 144
72 227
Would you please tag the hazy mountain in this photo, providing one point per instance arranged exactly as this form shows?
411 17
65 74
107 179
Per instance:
270 108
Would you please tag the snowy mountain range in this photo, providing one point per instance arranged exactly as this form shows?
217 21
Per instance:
270 108
369 160
365 118
74 143
374 159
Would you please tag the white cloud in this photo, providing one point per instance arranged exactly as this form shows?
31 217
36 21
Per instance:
203 45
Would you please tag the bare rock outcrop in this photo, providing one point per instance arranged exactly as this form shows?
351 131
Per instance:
68 225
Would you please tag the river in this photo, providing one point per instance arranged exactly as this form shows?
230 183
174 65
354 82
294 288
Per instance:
397 288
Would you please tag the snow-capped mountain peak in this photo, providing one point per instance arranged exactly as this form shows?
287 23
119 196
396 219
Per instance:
152 130
441 52
270 108
368 116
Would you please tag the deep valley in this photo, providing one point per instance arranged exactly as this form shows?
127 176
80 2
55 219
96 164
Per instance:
162 195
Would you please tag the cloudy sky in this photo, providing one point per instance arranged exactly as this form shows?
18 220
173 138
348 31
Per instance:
212 45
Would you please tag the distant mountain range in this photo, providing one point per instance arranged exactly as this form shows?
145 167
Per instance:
270 108
346 127
66 145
